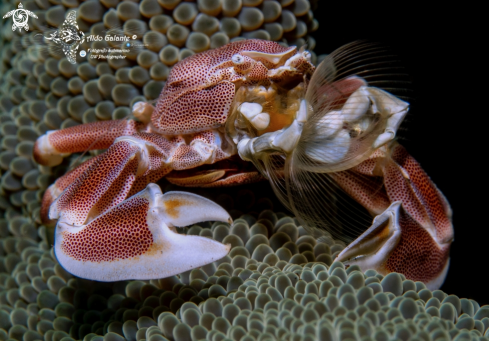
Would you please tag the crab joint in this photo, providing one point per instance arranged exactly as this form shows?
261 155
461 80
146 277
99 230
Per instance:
143 111
45 153
144 152
394 108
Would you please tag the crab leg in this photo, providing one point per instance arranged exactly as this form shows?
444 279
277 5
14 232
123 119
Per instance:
124 169
413 234
216 178
136 239
51 147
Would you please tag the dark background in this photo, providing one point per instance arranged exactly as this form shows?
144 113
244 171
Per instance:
445 126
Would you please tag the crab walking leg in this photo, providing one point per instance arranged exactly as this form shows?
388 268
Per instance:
52 146
237 179
215 179
413 235
137 240
126 167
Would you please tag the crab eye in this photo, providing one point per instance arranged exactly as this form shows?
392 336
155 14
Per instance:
237 59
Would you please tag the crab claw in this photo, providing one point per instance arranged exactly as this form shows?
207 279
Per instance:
137 239
395 241
412 238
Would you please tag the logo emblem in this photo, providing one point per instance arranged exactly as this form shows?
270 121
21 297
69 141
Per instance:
69 36
20 16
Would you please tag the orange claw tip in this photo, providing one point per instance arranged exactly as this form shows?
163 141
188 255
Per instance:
397 243
183 209
44 153
136 239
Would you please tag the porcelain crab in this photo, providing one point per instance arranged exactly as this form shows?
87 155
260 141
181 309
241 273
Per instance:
255 101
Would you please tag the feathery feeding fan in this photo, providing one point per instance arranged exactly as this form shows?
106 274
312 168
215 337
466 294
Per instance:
337 135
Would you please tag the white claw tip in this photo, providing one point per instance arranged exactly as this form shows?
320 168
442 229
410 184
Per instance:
45 152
